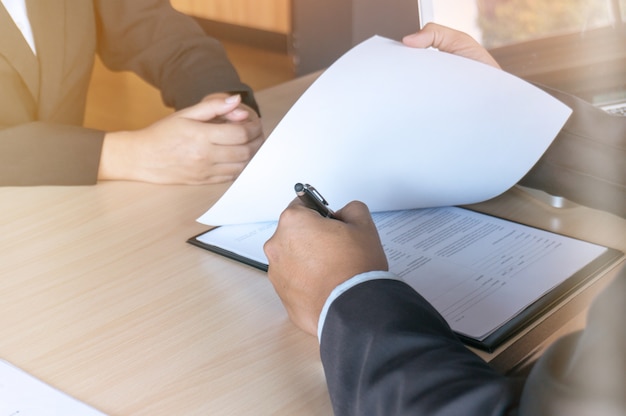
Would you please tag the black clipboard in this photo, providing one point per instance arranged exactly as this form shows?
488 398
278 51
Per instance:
513 326
226 253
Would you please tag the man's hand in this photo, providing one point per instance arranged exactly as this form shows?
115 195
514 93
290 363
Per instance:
209 142
310 255
449 40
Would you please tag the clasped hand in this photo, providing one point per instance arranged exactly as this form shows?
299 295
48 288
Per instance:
209 142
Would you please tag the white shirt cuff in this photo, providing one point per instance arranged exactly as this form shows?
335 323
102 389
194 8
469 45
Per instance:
359 278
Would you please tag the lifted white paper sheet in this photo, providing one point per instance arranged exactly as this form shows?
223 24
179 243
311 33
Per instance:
398 128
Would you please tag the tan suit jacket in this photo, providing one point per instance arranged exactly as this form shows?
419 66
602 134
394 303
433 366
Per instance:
42 97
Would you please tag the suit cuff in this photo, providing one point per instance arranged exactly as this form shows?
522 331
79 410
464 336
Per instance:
343 287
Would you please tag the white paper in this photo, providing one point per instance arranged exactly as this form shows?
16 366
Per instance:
245 240
398 128
477 271
24 395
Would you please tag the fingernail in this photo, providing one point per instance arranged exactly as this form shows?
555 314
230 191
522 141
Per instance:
232 99
237 112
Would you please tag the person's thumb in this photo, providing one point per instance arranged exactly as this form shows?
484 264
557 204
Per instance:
210 109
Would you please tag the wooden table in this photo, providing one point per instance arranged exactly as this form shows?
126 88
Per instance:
101 297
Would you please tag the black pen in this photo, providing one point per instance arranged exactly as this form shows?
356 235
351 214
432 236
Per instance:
313 199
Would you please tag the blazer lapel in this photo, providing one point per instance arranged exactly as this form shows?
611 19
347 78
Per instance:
47 18
15 49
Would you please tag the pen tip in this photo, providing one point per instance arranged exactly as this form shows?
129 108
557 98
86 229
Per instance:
298 187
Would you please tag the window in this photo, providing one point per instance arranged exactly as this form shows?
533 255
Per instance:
578 46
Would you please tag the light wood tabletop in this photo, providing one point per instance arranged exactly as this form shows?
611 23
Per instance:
102 298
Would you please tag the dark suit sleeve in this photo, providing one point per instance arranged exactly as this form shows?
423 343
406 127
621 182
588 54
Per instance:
586 163
166 48
386 351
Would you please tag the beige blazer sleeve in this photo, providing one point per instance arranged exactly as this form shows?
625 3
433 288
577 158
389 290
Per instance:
167 49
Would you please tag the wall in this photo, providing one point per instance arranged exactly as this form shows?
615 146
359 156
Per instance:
325 29
317 32
269 15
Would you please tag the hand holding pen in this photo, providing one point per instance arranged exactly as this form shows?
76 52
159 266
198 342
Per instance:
309 256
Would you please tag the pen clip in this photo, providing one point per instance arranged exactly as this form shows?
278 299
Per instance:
313 199
316 194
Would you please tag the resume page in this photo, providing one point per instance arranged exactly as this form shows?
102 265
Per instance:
478 271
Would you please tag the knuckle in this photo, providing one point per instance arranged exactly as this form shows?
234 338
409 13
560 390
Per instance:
288 216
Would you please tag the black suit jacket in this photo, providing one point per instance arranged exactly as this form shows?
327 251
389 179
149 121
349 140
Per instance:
386 351
43 97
